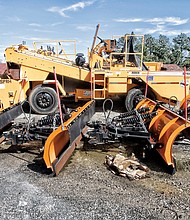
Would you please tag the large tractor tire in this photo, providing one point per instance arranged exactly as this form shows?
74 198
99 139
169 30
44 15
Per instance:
43 100
134 96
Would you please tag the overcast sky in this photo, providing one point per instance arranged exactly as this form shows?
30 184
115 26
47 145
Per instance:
38 20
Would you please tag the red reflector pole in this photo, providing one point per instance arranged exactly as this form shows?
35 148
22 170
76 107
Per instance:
185 91
58 97
146 88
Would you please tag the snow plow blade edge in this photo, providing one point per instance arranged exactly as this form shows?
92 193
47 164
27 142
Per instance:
61 143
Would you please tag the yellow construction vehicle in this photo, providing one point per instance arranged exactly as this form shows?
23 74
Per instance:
112 70
46 74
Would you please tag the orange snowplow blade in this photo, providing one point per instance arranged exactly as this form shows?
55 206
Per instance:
61 143
165 127
182 104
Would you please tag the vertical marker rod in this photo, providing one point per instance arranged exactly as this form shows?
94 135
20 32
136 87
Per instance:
185 92
58 98
146 88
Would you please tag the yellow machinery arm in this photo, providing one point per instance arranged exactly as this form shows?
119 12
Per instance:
61 143
36 66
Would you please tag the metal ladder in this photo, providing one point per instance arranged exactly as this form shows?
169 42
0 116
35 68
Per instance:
99 79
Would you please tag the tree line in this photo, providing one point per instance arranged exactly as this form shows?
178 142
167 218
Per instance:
167 50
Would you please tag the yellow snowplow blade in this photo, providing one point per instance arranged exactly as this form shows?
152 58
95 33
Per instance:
61 143
165 127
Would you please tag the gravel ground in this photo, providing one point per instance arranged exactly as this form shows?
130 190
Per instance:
86 189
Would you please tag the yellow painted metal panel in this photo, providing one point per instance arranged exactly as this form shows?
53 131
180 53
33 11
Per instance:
12 92
117 85
37 66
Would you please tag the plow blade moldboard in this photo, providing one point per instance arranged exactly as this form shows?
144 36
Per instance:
185 101
61 143
164 128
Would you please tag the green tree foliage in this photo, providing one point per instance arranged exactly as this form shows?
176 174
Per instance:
167 50
150 44
162 49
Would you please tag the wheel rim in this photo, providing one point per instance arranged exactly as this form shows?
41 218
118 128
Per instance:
44 100
137 99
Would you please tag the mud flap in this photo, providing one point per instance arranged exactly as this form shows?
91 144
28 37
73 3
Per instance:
61 143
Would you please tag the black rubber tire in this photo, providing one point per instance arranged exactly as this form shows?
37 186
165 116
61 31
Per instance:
43 100
133 97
